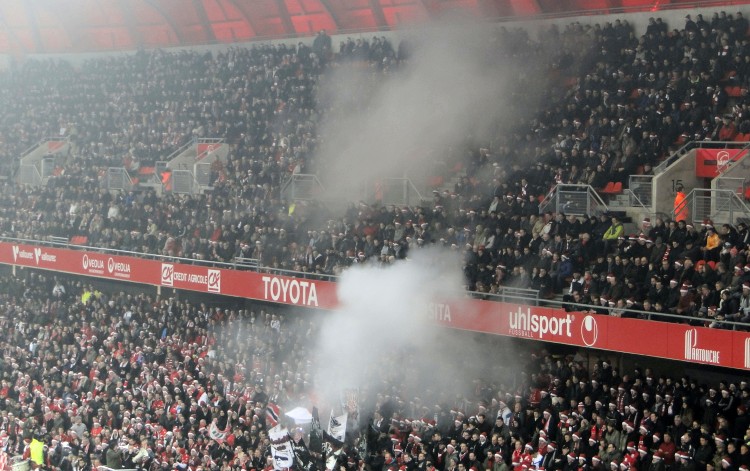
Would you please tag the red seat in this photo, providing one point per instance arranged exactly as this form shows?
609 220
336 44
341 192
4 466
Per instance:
608 188
739 137
79 240
734 91
712 264
617 188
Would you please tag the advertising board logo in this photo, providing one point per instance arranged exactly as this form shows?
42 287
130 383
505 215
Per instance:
290 291
37 254
747 353
167 274
723 159
92 264
524 323
118 269
589 331
23 254
214 281
694 353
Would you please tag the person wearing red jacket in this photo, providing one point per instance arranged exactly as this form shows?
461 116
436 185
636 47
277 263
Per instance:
668 449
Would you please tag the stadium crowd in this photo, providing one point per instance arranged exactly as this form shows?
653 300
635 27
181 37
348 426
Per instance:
628 101
139 381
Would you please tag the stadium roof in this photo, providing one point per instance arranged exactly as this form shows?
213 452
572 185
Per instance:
45 26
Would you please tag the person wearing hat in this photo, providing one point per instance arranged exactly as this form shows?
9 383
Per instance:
726 463
684 462
657 462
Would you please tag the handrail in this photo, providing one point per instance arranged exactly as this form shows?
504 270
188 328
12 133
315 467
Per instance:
690 145
44 140
632 196
730 200
179 151
553 197
207 140
37 181
31 149
596 196
644 315
509 294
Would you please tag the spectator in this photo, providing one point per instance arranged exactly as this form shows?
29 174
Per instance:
681 210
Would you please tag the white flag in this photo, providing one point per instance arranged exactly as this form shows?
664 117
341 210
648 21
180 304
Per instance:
215 433
337 426
281 448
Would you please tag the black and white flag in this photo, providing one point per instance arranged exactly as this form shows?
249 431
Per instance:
281 448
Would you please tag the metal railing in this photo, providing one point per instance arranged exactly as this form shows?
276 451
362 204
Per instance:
118 179
202 174
251 263
510 294
506 293
302 187
573 199
688 146
720 206
29 175
182 181
639 190
47 167
179 151
737 184
399 191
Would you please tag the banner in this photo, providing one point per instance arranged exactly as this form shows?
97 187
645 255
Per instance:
281 448
710 163
272 415
726 348
337 426
245 284
215 434
672 341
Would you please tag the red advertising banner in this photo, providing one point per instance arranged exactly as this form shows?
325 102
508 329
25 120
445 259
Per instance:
243 284
709 163
681 342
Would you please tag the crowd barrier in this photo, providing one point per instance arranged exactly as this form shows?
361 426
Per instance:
678 338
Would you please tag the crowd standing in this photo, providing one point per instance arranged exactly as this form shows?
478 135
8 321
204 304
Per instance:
100 378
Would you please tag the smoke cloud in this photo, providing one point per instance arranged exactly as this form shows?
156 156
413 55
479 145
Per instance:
412 120
381 338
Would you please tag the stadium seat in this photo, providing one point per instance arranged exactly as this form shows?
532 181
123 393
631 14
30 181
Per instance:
79 240
733 91
608 189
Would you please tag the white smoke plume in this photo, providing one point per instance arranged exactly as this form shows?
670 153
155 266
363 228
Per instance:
414 119
382 333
